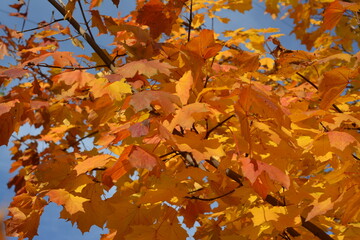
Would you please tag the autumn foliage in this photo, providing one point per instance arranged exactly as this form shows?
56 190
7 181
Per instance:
230 131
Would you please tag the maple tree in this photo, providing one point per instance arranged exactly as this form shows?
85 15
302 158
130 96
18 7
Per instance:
230 131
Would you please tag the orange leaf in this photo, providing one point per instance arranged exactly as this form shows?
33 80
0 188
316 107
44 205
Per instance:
72 203
144 99
97 22
333 14
188 114
332 85
183 86
92 162
145 67
120 168
77 78
95 3
3 50
10 115
204 45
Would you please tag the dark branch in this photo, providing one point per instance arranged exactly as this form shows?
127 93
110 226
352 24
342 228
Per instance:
316 87
101 52
210 199
307 80
42 26
84 17
217 125
190 20
71 68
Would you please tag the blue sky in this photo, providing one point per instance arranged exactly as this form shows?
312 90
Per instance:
51 227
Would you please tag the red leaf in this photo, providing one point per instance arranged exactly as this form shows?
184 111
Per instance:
139 158
139 129
340 140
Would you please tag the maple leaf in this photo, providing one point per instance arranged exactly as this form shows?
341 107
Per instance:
143 100
75 78
183 87
3 50
204 45
252 170
24 207
92 163
10 114
158 16
341 140
72 203
332 85
333 14
148 68
97 22
188 114
320 208
132 156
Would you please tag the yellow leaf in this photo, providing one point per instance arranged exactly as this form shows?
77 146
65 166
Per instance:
118 89
183 87
72 203
264 214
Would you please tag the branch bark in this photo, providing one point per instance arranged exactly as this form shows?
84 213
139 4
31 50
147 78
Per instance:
103 54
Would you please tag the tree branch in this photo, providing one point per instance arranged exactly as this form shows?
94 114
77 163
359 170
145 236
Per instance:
190 20
71 68
84 17
101 52
218 125
316 87
210 199
42 26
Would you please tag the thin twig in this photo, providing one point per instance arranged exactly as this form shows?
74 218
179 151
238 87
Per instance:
102 53
307 80
316 87
87 136
190 20
217 125
84 17
210 199
42 26
71 68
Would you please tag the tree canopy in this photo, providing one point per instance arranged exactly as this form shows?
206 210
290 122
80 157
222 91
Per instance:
229 131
